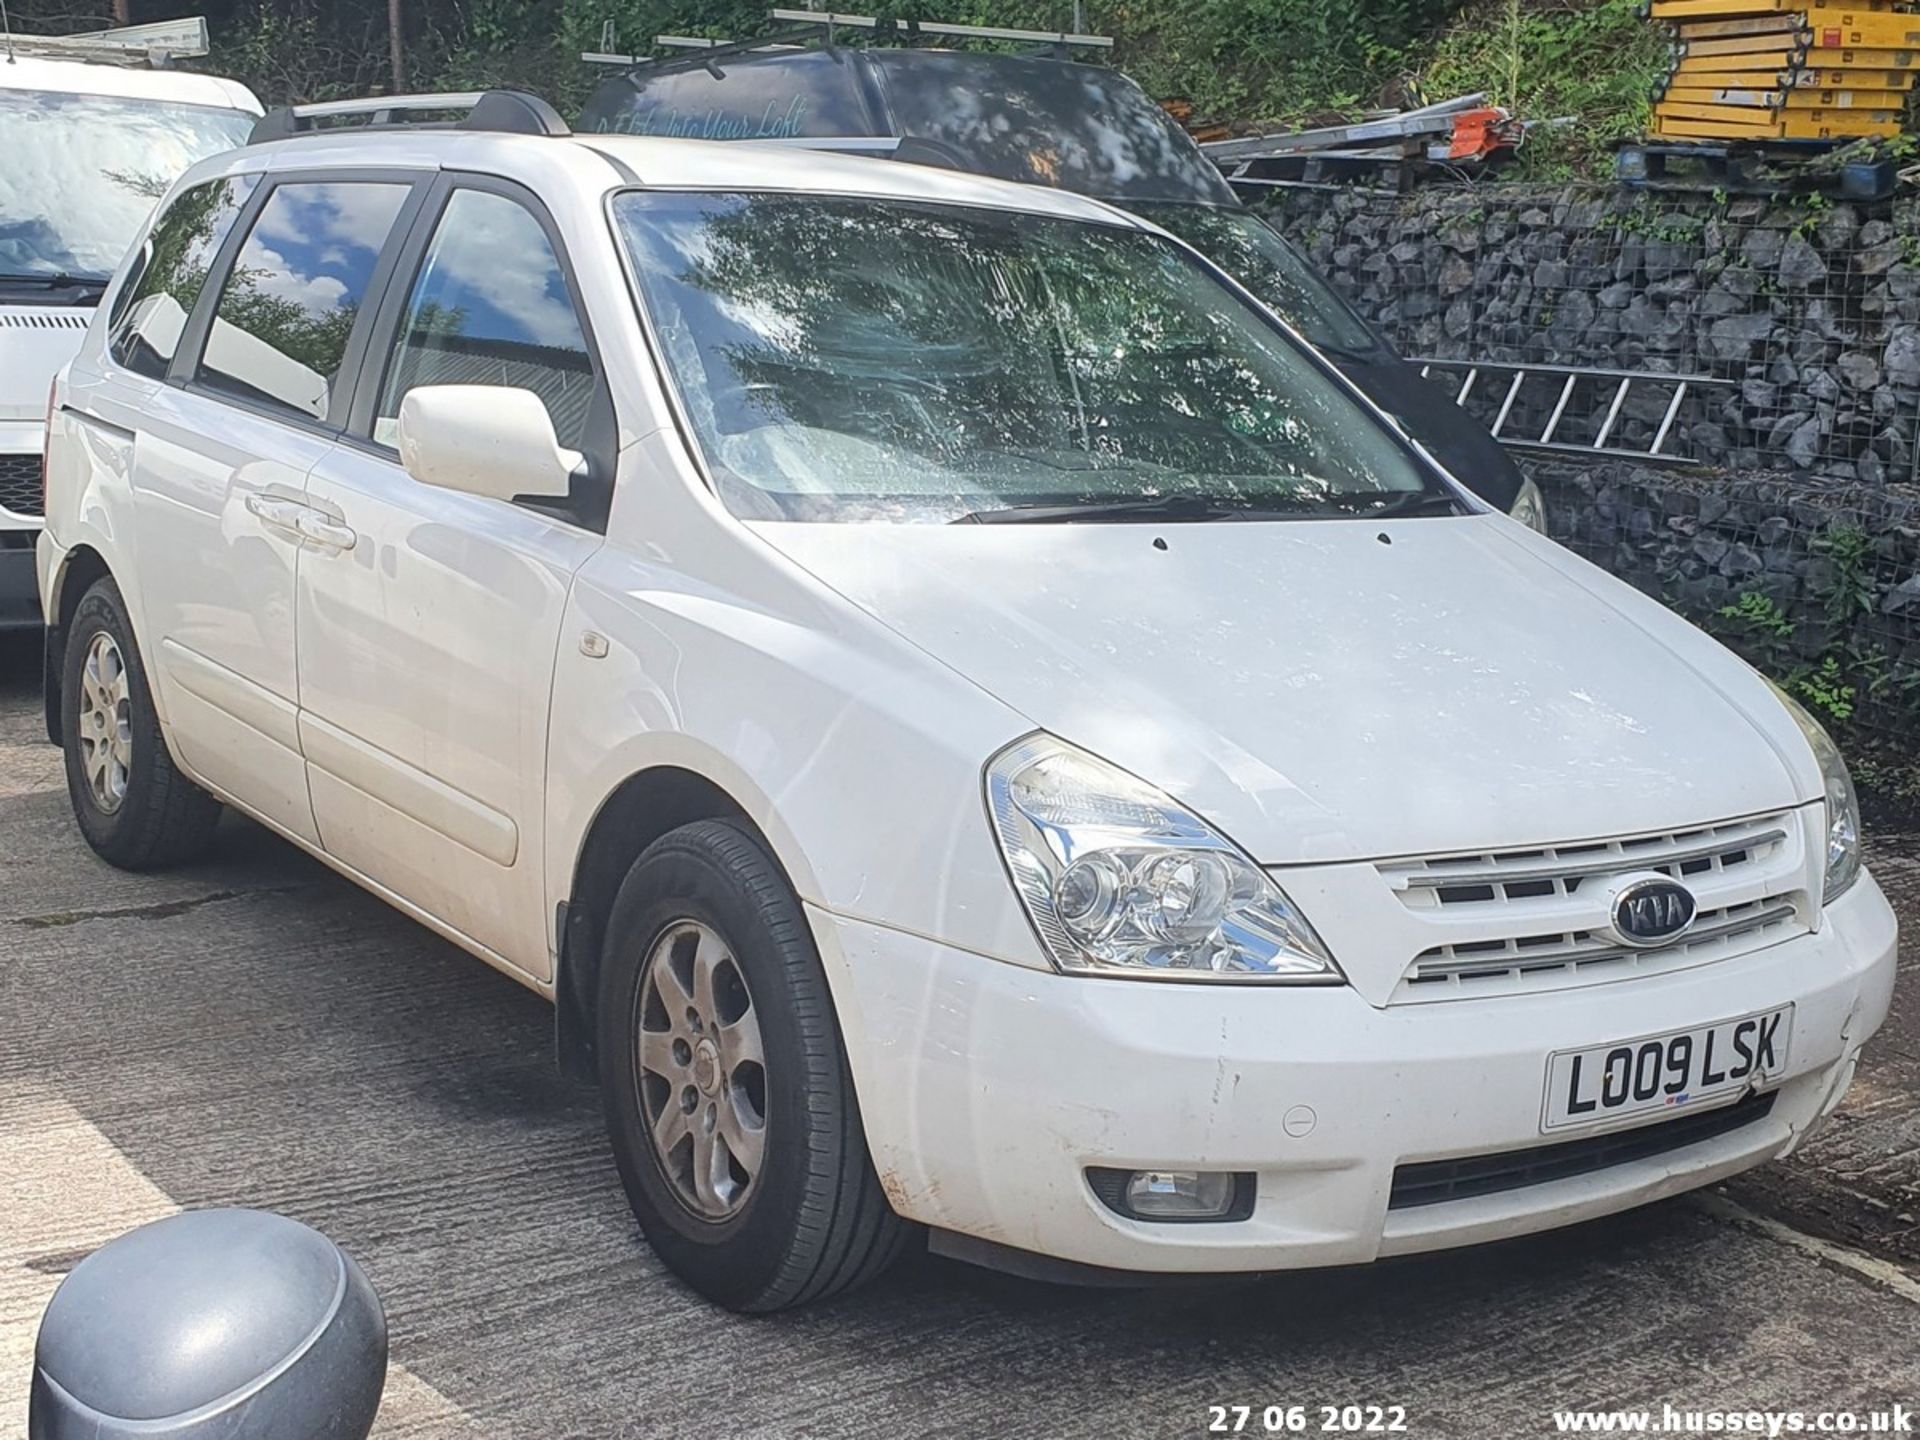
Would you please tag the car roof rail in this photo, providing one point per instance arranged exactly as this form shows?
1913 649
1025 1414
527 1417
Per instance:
509 112
805 29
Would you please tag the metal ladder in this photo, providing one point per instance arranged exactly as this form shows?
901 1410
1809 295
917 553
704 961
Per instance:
1569 378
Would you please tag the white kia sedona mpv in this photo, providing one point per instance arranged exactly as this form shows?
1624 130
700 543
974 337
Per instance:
976 727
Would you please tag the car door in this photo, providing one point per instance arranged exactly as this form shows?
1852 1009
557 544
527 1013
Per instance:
427 637
221 455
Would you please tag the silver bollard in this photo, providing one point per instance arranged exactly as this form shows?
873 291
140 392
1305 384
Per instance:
211 1325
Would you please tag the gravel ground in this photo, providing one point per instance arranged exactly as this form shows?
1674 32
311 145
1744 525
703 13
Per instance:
255 1031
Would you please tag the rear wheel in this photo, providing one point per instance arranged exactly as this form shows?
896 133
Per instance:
132 803
728 1101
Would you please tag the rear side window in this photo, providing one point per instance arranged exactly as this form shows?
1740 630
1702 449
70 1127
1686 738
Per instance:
172 272
280 330
491 307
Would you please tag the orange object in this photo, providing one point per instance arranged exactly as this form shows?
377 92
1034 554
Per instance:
1480 133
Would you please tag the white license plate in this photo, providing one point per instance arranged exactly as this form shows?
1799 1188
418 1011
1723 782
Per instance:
1665 1072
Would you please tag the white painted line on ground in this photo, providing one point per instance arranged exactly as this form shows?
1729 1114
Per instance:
1884 1273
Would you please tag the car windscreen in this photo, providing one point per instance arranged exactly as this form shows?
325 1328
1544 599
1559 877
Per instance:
1255 254
83 171
844 358
1045 122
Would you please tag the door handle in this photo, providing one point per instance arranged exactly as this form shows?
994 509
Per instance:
275 513
329 534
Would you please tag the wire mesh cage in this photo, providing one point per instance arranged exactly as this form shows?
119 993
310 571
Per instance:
1795 318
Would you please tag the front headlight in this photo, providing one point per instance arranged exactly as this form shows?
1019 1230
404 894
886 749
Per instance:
1530 507
1843 806
1119 879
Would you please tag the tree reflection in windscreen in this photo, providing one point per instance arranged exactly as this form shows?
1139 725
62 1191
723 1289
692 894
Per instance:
1255 254
847 358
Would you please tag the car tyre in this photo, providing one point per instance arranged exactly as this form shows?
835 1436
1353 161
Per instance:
742 1153
132 803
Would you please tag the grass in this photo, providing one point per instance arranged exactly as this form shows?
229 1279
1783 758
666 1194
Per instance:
1594 61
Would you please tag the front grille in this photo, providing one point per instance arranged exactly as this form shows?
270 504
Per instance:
1560 870
1727 930
20 484
1507 921
45 320
1434 1182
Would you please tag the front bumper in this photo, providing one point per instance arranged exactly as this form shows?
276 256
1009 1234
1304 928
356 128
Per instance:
987 1088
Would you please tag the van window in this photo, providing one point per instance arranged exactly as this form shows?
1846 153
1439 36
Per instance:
281 328
491 307
83 172
172 272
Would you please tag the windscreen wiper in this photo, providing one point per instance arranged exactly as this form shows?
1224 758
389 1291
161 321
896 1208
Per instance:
1369 504
1161 507
1377 504
54 279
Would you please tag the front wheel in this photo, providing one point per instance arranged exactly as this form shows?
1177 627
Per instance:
727 1095
132 803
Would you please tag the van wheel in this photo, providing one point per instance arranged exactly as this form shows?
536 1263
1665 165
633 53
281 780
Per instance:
727 1096
133 805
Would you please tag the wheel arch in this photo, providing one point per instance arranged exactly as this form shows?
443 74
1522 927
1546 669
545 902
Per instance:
80 568
638 811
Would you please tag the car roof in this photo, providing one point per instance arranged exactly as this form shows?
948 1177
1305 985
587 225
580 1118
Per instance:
78 77
591 165
1027 118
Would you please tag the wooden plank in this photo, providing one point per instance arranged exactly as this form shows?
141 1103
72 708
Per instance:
1861 57
1745 99
1752 48
1885 101
1718 9
1817 79
1838 124
1685 74
1675 128
1736 64
1728 29
1758 122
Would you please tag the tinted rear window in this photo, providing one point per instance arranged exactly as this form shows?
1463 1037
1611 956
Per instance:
1046 122
815 93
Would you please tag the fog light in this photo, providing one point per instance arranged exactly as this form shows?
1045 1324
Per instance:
1174 1195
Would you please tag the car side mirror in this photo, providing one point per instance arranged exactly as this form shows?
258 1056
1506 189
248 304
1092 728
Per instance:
211 1325
492 440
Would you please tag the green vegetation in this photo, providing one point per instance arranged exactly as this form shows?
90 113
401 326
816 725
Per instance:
1592 62
1844 673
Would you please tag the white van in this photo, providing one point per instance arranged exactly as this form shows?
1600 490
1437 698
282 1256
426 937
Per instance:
970 720
88 148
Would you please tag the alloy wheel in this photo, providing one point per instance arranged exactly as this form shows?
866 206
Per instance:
105 724
703 1072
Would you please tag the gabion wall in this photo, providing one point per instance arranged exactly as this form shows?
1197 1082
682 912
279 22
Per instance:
1817 582
1807 308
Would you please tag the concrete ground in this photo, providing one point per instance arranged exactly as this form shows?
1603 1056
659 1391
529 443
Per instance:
255 1031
